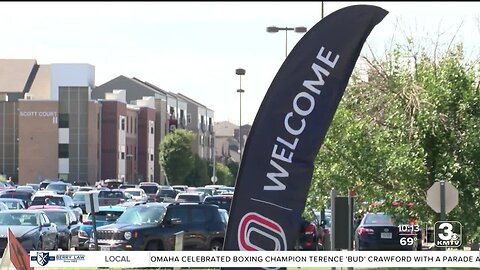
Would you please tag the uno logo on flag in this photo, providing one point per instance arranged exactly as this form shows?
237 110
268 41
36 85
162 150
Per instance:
257 232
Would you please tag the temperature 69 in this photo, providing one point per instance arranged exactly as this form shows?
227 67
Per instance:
408 241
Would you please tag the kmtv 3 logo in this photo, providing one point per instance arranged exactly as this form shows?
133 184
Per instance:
448 234
257 232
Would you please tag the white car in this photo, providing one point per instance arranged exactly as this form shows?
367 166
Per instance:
138 194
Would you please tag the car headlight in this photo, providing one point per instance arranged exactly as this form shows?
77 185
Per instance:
82 234
127 235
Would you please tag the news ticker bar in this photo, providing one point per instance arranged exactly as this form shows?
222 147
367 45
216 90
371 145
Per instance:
86 259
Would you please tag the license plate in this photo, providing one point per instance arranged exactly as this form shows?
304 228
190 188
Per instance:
386 235
104 248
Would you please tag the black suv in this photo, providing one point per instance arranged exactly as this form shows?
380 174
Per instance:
152 226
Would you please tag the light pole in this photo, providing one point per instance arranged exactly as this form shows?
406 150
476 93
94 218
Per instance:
240 72
214 173
298 29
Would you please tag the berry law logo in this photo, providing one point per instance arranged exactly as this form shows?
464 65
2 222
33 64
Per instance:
448 234
42 258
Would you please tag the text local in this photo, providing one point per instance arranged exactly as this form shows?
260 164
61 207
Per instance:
294 121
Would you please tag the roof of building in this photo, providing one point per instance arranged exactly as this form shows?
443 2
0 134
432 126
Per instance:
224 129
15 74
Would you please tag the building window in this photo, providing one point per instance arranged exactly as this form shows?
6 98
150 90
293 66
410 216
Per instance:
63 150
131 124
189 118
135 126
63 120
151 130
122 155
122 123
151 157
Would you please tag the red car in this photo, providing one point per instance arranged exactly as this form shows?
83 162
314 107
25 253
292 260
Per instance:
314 235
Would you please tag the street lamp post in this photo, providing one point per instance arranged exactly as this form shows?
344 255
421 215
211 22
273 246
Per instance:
240 72
298 29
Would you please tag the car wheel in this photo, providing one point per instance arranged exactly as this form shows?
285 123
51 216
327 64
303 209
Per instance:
151 246
55 246
40 244
215 245
68 244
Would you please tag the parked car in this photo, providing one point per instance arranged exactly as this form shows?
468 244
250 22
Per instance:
180 188
152 226
32 228
222 201
3 207
60 200
106 215
112 183
311 233
67 224
27 188
79 198
150 189
325 221
190 197
24 195
13 203
125 186
58 187
85 188
111 197
379 231
138 194
45 183
207 191
35 186
166 195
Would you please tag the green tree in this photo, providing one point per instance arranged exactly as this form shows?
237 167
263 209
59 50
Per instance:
176 155
233 167
198 175
223 173
415 121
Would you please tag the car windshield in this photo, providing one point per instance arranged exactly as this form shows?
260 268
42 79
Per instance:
57 217
54 200
134 192
106 215
142 215
167 193
378 219
222 203
13 204
56 187
110 194
189 198
149 189
79 197
18 219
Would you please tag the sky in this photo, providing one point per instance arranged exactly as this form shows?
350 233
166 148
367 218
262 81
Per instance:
194 48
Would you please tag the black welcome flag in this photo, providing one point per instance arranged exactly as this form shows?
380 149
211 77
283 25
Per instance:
293 119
